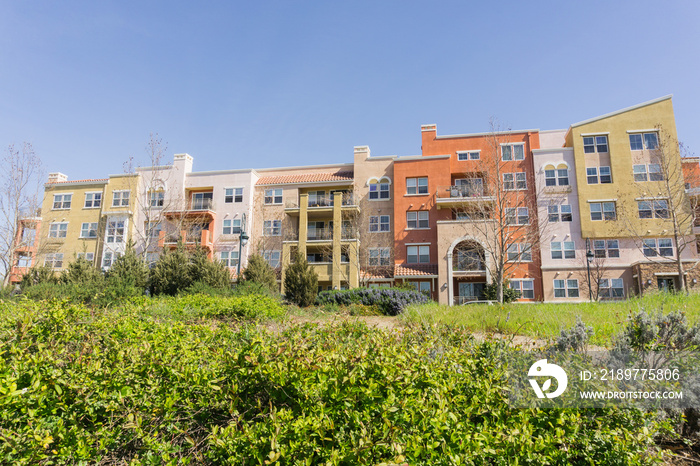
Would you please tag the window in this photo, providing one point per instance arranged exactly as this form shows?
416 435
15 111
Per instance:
156 198
514 181
58 230
473 155
417 219
566 288
421 286
593 172
62 201
88 230
272 258
653 209
379 256
28 235
24 260
593 144
611 288
54 260
232 226
379 223
556 177
512 152
108 259
88 256
272 227
650 141
661 247
379 189
555 216
229 258
517 216
520 252
417 185
153 229
235 195
603 210
93 200
525 287
202 201
653 169
563 250
273 196
606 248
417 254
120 198
115 231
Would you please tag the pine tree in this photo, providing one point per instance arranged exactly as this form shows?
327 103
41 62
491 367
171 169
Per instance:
260 272
300 282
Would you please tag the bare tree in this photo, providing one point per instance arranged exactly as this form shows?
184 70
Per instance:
500 208
20 183
598 269
663 196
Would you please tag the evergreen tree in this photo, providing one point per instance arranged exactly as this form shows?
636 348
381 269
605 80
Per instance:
212 273
129 270
81 272
300 282
260 272
171 274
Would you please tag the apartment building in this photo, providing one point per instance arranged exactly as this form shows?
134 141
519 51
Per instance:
27 241
600 199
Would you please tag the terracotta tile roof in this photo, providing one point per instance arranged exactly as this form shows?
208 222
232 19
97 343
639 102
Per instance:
96 180
415 270
306 178
380 273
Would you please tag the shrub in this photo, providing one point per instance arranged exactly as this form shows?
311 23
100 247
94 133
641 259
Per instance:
129 270
37 275
575 339
390 301
300 282
81 272
171 273
249 307
260 272
211 272
490 293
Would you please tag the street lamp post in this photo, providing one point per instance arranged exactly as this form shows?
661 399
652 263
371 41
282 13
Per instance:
242 241
589 259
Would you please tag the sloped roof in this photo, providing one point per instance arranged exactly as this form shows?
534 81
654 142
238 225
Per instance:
96 180
306 178
415 270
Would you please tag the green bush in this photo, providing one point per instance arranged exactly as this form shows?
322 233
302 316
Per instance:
171 273
129 270
490 293
211 272
390 301
249 307
300 282
37 275
81 387
81 272
258 271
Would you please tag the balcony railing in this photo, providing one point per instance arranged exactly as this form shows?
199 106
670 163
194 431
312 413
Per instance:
201 204
464 299
201 237
320 234
461 191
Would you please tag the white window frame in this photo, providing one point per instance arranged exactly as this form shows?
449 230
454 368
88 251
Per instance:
54 260
420 219
380 190
512 155
519 252
379 223
657 208
62 201
90 197
233 197
523 285
116 230
58 230
229 258
421 252
156 198
272 227
231 226
606 248
468 155
555 177
419 186
651 247
607 287
570 288
595 144
379 257
91 230
120 198
274 196
560 213
88 256
601 210
516 181
560 250
272 257
643 140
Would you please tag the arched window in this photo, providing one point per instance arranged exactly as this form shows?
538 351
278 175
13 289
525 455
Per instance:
379 188
556 176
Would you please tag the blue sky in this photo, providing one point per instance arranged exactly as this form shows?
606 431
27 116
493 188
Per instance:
279 83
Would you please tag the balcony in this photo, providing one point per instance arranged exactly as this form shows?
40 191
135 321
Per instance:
321 234
461 195
189 238
323 203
